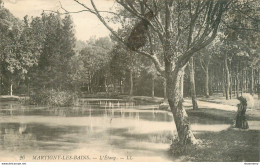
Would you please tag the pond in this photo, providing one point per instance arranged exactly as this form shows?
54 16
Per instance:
96 130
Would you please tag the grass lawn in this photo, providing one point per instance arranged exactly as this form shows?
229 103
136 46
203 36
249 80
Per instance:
218 114
253 102
233 145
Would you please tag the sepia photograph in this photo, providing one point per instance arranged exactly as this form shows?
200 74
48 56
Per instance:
129 81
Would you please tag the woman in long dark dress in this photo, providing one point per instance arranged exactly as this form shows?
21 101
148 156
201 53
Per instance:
241 121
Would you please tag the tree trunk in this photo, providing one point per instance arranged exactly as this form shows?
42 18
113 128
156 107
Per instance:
174 85
88 88
1 83
231 82
164 89
152 87
206 81
258 85
28 88
192 85
227 85
114 85
237 85
252 81
223 82
230 88
90 84
131 83
175 99
246 84
242 82
181 84
258 77
106 86
122 87
11 89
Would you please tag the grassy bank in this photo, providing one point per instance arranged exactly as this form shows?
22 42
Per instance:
214 114
231 145
253 102
228 145
217 114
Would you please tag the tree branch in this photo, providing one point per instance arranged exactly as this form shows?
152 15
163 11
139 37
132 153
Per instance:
202 42
237 28
201 64
246 15
155 60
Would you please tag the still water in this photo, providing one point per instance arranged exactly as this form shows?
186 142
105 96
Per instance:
96 130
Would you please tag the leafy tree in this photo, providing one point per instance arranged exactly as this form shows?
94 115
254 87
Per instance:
57 42
239 44
95 56
7 20
125 65
183 28
18 47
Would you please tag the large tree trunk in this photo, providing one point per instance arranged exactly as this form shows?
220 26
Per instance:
174 84
192 85
227 85
131 83
175 99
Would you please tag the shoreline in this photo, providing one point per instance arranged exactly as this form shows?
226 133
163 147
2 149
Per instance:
208 109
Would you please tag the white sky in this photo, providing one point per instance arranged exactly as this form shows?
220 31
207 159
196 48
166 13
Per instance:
86 24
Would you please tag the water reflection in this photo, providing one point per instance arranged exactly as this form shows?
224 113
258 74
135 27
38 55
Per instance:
96 126
14 136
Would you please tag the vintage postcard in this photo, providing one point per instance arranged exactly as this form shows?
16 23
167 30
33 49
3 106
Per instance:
129 81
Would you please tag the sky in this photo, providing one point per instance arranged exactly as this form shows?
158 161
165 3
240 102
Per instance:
86 24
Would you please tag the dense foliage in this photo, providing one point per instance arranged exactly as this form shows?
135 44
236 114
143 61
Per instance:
42 53
53 98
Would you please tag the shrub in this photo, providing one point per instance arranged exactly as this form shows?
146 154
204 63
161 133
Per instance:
54 98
